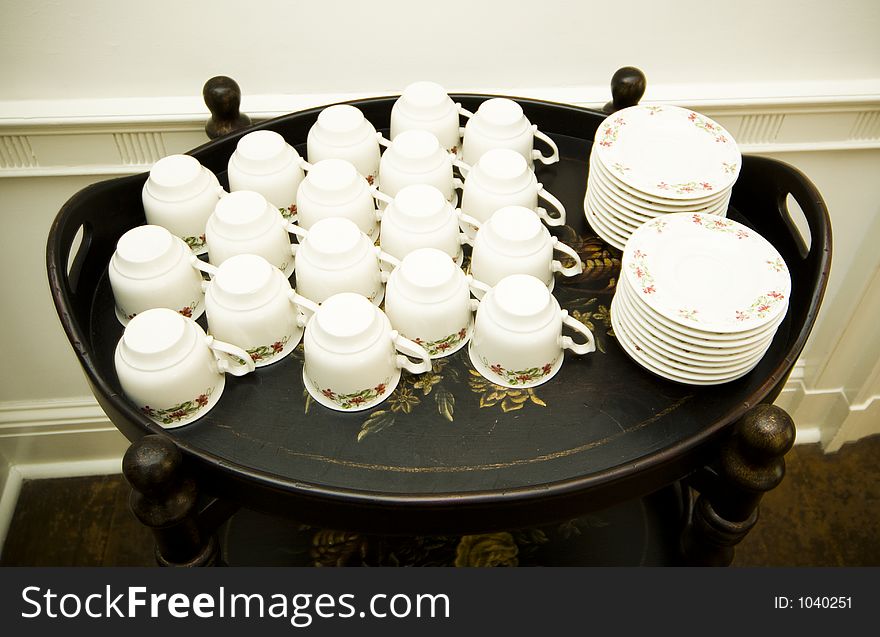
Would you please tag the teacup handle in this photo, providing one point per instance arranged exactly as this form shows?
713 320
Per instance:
553 201
306 166
568 343
469 220
224 364
556 266
380 196
294 228
477 288
466 114
306 307
386 258
465 168
410 349
198 264
383 141
536 154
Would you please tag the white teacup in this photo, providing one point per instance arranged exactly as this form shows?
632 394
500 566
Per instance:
335 256
245 223
265 163
351 360
153 268
428 300
250 304
342 132
514 241
502 178
171 369
427 106
334 188
416 157
180 194
419 216
500 123
517 340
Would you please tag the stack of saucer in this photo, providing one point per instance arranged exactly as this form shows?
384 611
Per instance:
649 161
699 298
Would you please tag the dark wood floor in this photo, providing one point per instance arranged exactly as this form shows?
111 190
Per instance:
825 513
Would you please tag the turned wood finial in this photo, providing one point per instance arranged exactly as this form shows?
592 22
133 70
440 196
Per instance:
165 499
753 458
627 87
751 464
223 98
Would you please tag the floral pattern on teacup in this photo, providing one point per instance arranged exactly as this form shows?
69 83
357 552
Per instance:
179 412
195 243
186 311
777 265
442 345
288 212
357 399
265 352
519 376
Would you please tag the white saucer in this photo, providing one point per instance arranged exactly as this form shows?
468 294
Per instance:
668 152
707 273
675 363
632 352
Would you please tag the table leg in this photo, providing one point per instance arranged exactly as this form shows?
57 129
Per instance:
751 464
165 499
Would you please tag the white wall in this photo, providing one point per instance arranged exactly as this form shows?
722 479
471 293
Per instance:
106 48
797 79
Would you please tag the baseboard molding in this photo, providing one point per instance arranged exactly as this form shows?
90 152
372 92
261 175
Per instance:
57 431
126 136
827 416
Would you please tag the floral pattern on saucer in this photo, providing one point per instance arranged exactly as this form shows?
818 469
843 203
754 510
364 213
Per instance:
706 125
610 131
722 224
640 269
761 307
687 187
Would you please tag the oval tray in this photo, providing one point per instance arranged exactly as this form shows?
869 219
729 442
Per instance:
449 450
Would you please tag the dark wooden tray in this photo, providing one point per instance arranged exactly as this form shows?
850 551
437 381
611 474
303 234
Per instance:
449 451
